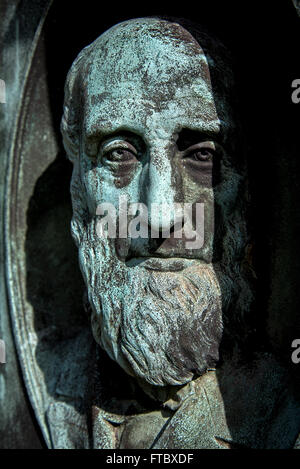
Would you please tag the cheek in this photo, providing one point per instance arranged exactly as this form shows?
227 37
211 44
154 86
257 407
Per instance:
227 191
104 185
204 174
195 192
92 181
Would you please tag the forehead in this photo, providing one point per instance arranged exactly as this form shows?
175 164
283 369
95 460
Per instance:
145 74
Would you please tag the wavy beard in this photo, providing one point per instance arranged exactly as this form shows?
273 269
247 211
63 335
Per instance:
162 327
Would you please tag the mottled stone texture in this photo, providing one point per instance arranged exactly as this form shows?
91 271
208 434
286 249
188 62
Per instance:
172 359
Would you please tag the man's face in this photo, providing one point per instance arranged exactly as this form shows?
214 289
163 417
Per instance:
150 132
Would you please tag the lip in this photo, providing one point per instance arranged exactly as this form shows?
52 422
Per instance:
173 264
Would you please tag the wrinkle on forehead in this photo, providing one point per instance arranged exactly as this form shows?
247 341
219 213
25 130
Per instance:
144 69
142 117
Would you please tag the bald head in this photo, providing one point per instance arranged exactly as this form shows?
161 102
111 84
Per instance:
139 72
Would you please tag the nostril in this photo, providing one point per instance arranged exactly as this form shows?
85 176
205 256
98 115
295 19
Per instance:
163 217
155 243
167 245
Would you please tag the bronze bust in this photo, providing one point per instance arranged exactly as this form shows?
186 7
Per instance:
164 353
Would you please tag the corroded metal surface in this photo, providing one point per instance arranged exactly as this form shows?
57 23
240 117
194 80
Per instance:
18 41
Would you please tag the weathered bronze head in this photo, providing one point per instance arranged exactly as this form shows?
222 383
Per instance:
148 117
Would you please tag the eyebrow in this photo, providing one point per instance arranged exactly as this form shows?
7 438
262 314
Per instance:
186 136
101 135
189 137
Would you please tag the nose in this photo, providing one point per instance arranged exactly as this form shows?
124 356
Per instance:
160 191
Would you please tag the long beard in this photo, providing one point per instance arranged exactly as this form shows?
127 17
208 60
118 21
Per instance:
163 327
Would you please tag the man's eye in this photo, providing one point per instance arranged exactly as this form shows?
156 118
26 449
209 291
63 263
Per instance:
201 154
119 155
